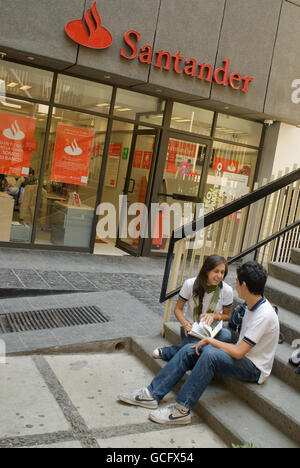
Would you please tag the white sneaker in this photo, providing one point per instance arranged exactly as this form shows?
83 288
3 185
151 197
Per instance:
171 414
141 397
157 353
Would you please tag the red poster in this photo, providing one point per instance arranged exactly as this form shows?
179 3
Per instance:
137 159
147 160
72 155
16 144
225 165
115 150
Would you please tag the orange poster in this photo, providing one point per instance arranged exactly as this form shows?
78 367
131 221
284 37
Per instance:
72 155
16 144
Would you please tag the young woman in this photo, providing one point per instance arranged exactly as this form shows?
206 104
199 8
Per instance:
206 297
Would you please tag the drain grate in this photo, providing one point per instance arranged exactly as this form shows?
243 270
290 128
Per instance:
50 318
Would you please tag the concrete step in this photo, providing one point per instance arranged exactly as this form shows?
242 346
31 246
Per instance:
289 324
295 256
283 294
276 400
283 369
287 272
225 412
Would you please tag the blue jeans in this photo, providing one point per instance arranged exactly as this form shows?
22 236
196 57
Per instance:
210 362
168 352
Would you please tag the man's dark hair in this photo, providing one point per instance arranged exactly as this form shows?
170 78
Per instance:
254 275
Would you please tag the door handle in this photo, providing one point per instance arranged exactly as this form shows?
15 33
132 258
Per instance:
133 186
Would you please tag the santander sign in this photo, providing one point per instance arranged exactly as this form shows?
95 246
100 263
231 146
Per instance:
89 32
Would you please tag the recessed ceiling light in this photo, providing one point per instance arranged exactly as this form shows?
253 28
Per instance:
12 84
30 57
105 104
25 87
107 77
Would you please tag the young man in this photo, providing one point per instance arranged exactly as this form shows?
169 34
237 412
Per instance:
250 359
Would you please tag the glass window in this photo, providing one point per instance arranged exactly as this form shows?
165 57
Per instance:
22 81
238 130
75 92
140 107
115 176
191 119
71 179
230 175
180 187
22 133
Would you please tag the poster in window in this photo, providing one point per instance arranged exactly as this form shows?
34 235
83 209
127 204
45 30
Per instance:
113 164
147 160
72 155
16 144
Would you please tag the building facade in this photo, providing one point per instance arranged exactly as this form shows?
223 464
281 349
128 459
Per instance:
126 102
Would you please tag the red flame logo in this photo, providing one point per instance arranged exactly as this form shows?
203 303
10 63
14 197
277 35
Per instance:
89 32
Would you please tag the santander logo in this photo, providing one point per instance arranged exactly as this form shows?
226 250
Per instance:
89 32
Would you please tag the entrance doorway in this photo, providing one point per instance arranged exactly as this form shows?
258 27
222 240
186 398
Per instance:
137 191
182 186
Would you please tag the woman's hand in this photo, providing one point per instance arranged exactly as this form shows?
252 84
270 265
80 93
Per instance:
208 319
187 327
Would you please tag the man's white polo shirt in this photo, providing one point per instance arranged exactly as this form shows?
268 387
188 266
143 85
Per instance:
260 329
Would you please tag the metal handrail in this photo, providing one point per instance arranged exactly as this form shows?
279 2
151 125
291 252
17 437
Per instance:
214 216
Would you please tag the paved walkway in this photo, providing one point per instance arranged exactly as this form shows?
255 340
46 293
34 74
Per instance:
70 401
59 385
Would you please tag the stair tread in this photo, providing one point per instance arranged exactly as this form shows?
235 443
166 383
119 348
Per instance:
240 418
285 288
289 318
241 421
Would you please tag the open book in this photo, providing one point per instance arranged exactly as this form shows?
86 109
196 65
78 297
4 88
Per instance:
202 330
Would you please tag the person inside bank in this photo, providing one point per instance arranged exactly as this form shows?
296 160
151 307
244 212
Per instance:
207 297
250 359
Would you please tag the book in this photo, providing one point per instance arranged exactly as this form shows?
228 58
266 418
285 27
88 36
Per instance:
202 330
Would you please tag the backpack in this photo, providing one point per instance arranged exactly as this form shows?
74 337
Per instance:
236 319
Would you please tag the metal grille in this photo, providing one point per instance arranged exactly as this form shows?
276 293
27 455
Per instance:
50 318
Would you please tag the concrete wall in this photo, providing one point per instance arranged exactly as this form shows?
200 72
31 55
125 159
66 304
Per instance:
260 37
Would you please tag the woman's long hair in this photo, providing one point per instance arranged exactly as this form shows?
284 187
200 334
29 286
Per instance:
201 281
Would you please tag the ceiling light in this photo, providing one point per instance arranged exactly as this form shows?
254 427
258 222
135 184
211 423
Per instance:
15 106
12 84
103 105
125 109
25 87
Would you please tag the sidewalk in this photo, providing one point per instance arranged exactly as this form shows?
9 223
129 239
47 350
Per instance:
59 385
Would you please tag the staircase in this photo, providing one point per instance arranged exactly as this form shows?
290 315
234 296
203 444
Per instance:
266 415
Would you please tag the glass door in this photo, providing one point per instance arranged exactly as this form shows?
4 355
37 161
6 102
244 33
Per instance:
182 186
133 224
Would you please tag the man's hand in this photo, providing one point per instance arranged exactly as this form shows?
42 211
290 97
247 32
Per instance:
201 344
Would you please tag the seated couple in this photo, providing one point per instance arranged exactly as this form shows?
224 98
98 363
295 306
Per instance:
250 359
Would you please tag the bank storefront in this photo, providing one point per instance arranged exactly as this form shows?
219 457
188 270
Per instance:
74 141
88 143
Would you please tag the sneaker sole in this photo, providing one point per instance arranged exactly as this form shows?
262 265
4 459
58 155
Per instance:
174 422
149 405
